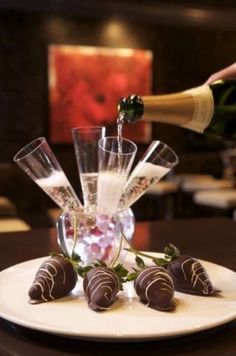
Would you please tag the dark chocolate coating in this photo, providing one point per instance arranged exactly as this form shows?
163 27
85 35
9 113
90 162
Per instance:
101 286
155 288
55 278
189 276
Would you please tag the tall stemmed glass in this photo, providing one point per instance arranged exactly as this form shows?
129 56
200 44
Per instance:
156 162
39 162
85 141
115 162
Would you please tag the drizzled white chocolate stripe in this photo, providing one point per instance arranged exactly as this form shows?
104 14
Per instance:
155 288
197 275
45 278
157 278
102 284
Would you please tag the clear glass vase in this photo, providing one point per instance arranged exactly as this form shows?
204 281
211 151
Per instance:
95 237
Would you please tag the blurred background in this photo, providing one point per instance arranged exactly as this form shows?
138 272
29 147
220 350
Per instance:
189 41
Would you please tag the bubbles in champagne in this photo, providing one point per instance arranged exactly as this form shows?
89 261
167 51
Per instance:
89 188
142 178
110 188
59 189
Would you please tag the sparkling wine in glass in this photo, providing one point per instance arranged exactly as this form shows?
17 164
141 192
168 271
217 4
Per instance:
39 162
156 162
89 188
114 168
85 141
59 189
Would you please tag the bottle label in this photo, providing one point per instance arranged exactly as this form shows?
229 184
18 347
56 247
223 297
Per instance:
204 108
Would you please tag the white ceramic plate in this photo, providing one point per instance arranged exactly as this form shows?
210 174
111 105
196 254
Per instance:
127 320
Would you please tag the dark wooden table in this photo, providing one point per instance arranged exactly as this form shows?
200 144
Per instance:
210 239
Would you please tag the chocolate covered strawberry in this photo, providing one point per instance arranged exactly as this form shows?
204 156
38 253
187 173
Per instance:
101 285
188 274
55 278
155 288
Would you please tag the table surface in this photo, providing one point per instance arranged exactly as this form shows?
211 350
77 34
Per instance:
212 239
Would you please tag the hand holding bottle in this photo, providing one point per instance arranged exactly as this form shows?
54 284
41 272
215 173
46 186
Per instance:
225 73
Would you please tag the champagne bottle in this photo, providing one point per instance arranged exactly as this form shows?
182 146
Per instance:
208 109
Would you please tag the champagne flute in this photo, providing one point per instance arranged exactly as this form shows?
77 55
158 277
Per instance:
156 162
39 162
85 141
115 162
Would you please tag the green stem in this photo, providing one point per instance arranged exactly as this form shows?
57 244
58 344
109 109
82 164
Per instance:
74 218
133 250
118 250
136 252
127 241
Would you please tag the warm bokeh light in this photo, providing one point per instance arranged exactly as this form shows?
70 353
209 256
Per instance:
118 33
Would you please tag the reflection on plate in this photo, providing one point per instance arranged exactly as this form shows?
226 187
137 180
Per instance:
127 320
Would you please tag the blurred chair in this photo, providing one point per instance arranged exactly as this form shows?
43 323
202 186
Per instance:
181 178
8 217
165 194
7 207
221 201
229 163
192 184
13 224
